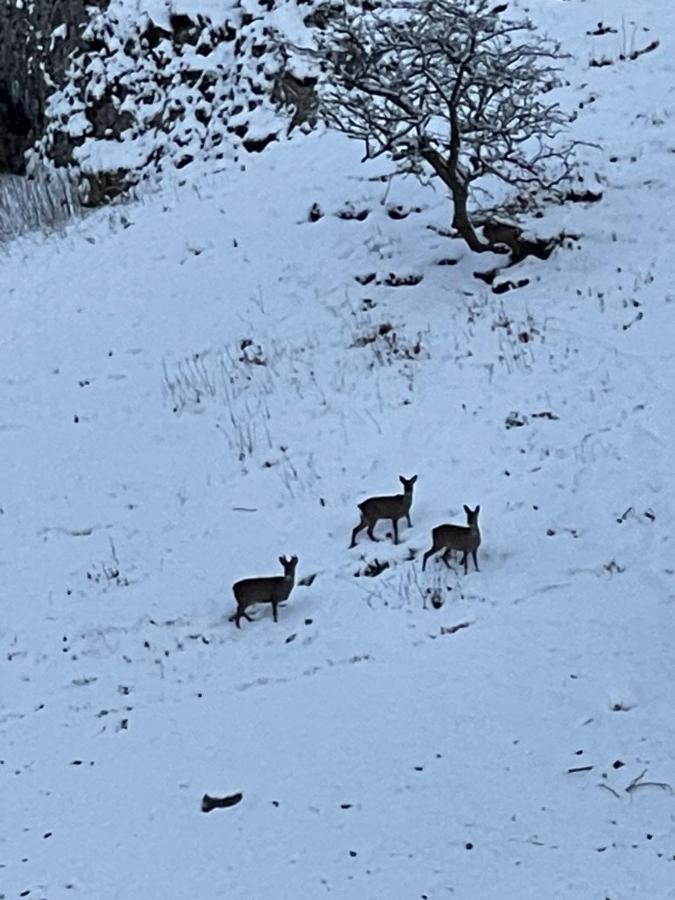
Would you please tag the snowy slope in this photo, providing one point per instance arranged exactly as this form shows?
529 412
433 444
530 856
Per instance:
198 383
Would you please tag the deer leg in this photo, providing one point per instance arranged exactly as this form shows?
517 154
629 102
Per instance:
394 522
475 560
239 615
358 528
465 562
426 557
445 558
407 515
370 531
274 610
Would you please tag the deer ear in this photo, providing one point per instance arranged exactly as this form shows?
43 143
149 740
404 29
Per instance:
413 479
466 509
401 479
294 559
478 509
282 560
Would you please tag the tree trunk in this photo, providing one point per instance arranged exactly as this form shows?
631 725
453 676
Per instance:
460 198
462 222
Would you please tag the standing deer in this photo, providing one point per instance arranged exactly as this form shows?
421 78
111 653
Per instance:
457 537
272 590
394 507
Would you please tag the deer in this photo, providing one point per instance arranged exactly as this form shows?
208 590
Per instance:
394 507
457 537
272 590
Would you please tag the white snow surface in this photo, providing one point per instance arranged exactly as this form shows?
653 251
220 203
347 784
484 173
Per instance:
195 384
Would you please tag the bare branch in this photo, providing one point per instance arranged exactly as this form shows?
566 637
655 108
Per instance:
448 85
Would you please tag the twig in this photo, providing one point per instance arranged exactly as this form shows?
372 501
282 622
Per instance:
114 554
635 781
452 629
610 789
639 783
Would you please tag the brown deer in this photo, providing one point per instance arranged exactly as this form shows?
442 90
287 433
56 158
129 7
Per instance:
394 507
457 537
272 590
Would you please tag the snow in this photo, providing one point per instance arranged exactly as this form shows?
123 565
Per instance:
153 456
94 156
60 32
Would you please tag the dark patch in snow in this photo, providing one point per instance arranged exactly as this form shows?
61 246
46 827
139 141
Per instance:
515 420
600 29
366 279
257 145
393 280
504 286
583 196
209 803
350 213
401 212
372 569
315 213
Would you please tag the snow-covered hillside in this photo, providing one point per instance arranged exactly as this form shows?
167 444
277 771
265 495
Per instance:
198 383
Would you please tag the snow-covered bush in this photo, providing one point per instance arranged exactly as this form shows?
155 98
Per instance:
157 89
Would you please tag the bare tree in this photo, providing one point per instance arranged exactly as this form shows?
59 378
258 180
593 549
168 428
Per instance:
450 85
